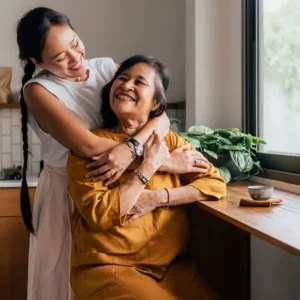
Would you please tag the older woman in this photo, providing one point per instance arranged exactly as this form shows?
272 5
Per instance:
126 235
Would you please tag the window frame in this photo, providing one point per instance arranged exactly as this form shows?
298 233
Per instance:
279 167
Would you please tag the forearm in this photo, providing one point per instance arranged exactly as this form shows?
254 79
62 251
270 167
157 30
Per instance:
160 124
132 187
94 146
180 196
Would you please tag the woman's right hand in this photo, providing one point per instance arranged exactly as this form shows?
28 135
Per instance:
110 165
156 153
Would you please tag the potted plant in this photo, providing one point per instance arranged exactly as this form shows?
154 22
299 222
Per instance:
230 150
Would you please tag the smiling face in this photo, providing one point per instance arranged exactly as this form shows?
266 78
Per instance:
132 94
63 53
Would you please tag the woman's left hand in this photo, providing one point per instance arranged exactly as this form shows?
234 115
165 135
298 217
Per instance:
147 202
182 161
110 165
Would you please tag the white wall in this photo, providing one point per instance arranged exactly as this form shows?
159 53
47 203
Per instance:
213 63
115 28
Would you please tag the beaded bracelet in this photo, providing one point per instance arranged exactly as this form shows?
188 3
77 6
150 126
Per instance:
168 203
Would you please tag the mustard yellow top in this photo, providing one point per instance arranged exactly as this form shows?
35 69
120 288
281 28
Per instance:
149 243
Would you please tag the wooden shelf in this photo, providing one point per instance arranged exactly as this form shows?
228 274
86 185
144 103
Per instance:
9 105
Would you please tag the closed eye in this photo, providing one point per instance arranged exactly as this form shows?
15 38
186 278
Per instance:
122 78
140 82
76 44
62 59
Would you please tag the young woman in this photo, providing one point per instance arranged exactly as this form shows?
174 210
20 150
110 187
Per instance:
127 235
60 99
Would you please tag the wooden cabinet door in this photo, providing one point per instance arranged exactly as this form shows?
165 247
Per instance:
14 244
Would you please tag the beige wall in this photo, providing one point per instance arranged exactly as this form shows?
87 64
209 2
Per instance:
213 62
115 28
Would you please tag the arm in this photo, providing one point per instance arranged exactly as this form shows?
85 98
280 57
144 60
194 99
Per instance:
160 124
54 118
208 186
104 207
199 187
196 187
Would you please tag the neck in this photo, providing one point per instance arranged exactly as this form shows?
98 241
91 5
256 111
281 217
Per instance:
130 127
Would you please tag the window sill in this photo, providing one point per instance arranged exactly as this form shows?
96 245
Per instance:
278 225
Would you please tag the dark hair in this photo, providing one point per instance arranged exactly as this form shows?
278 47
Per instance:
161 85
32 32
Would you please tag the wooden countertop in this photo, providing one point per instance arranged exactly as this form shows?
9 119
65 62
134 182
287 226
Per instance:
32 181
279 225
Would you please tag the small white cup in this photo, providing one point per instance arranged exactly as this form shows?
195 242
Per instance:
260 192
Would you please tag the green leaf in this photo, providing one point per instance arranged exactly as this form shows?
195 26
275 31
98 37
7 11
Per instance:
222 132
192 141
237 139
211 140
258 166
257 140
225 174
238 159
248 163
225 141
227 129
249 140
199 130
233 147
211 153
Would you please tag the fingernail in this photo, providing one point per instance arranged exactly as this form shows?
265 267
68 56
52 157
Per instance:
87 176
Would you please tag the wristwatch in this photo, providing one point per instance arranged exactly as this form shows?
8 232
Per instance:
138 148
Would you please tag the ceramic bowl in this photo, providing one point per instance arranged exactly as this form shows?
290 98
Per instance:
260 192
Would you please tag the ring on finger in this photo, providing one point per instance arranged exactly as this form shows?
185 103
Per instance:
195 162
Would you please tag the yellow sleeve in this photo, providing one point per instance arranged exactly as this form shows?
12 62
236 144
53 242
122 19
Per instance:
97 204
210 183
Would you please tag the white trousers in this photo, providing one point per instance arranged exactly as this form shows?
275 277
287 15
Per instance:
50 248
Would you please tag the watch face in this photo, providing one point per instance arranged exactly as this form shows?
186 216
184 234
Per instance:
139 150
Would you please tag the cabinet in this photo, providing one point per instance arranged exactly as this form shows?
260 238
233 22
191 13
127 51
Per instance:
14 242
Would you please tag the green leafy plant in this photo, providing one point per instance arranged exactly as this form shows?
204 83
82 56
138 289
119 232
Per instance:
231 142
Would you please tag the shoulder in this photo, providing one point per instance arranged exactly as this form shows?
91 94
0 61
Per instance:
108 134
41 79
103 64
173 140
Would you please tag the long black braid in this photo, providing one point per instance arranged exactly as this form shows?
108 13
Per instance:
25 199
32 31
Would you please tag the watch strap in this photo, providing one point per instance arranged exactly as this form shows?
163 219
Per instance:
141 177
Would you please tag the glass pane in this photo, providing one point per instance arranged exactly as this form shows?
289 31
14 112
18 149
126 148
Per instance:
279 76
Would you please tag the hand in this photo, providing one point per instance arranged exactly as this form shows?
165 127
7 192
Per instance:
110 165
147 202
182 162
156 152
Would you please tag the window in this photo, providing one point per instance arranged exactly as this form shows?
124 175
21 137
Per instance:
271 46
